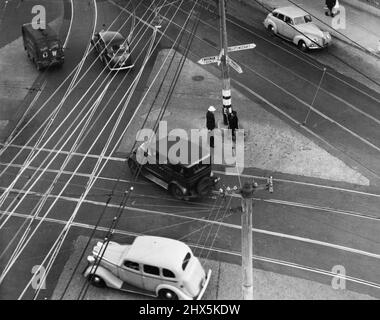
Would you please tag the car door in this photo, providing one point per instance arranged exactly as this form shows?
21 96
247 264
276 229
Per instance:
151 277
280 23
288 30
130 272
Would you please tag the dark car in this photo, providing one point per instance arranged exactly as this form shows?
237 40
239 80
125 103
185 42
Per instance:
113 50
42 46
190 179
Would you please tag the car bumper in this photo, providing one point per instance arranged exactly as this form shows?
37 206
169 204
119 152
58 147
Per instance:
52 62
115 68
205 285
323 45
193 194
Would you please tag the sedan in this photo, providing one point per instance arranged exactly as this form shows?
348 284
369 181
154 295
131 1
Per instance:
113 50
295 25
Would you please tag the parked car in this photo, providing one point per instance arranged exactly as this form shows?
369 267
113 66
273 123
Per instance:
191 179
42 46
113 50
155 266
296 25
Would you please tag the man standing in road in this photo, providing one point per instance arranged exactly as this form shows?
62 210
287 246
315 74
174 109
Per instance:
330 4
233 123
210 123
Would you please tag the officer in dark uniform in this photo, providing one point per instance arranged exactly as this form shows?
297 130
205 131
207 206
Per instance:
233 123
210 123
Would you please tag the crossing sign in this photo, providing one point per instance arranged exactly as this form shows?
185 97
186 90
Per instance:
242 47
208 60
234 65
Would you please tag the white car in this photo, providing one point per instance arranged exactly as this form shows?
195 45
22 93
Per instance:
294 24
155 266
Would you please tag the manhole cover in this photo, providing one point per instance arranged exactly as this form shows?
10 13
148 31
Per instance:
198 78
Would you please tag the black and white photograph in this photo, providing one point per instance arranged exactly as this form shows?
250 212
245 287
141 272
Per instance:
206 151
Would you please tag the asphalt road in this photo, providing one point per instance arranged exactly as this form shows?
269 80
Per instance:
55 169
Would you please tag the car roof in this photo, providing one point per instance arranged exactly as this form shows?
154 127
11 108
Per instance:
291 11
111 36
158 251
41 34
203 152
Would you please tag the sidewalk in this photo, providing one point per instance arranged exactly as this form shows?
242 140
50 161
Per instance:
358 23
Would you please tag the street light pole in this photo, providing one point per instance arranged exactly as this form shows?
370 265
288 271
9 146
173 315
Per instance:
247 194
246 244
226 91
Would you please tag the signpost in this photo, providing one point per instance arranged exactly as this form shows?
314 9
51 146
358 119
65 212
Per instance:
232 63
208 60
242 47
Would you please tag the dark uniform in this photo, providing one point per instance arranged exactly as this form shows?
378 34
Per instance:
330 4
210 124
233 123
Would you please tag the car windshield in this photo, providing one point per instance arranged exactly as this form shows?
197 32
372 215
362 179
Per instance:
305 19
118 47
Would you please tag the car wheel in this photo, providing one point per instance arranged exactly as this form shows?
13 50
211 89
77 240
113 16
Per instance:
96 281
271 29
166 294
302 45
203 186
176 192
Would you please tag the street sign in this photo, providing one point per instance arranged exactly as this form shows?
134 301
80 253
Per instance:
208 60
234 65
242 47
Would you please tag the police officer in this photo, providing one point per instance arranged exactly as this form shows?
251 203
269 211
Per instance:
210 123
233 123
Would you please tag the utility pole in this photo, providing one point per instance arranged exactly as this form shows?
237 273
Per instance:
226 91
247 193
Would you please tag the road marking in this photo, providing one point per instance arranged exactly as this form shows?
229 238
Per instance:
67 226
70 25
224 224
300 124
219 250
307 105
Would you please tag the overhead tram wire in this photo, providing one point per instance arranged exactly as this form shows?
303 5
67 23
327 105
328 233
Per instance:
69 129
171 89
328 52
28 161
152 50
136 176
45 215
68 92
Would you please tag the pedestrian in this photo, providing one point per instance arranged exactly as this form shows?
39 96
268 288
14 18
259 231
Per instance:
330 4
210 123
233 123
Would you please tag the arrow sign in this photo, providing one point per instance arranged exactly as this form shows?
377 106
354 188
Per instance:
242 47
208 60
234 65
